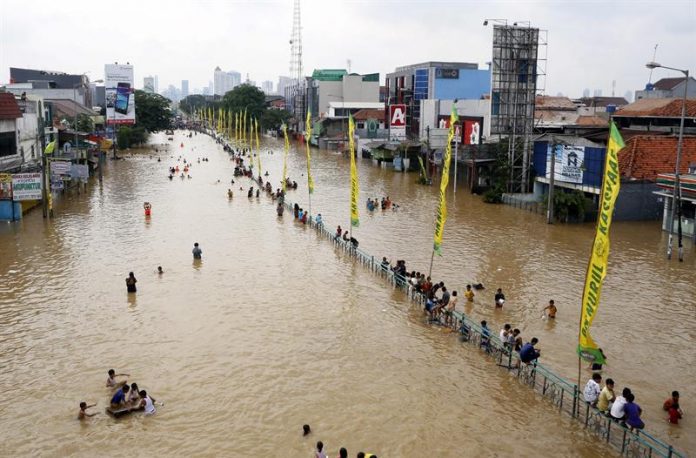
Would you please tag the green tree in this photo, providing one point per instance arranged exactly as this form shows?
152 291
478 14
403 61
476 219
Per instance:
128 136
498 175
191 103
152 111
246 97
84 123
273 119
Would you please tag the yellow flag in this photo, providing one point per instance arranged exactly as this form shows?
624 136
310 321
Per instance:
599 257
258 150
354 188
285 155
308 135
244 126
236 126
442 209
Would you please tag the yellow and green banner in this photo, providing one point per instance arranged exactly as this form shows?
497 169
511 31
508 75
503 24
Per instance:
420 161
442 209
354 188
599 257
285 155
258 150
308 135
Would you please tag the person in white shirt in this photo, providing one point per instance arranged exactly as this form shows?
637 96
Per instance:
592 389
617 408
505 333
147 403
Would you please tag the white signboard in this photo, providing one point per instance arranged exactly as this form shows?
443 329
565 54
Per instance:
60 167
80 171
570 162
120 94
26 186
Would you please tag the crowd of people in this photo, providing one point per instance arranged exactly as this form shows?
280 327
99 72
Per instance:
320 450
385 204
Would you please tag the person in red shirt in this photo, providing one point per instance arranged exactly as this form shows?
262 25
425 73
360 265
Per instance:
670 404
674 413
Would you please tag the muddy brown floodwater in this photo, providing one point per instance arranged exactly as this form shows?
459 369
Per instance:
275 328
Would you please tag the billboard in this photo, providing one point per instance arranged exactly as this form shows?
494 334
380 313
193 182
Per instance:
397 122
471 132
26 186
120 94
447 73
570 162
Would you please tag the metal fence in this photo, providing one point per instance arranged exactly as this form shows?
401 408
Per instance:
561 393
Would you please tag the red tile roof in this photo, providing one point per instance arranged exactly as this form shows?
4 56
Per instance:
644 156
659 108
9 109
666 84
369 113
546 102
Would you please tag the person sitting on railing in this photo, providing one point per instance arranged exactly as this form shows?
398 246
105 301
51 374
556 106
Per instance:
633 413
449 310
528 353
354 242
485 336
617 408
339 231
440 304
505 334
345 236
385 264
427 286
606 397
317 220
593 389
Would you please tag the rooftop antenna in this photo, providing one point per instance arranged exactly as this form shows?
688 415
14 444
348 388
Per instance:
348 62
653 60
613 87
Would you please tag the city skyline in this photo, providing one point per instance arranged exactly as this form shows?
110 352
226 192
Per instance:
587 48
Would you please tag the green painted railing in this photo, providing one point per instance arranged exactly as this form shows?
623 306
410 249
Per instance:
564 395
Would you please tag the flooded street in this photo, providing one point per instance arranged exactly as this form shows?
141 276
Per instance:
276 328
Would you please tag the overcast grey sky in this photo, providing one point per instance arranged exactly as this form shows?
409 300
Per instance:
590 43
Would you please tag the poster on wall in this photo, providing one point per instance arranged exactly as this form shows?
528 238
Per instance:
5 186
120 94
570 162
397 122
26 186
472 131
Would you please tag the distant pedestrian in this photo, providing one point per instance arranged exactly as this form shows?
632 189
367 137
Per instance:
280 209
306 430
551 309
197 252
343 453
130 283
159 270
83 411
469 295
499 298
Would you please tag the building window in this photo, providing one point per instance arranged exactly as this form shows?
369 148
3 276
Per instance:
8 144
361 125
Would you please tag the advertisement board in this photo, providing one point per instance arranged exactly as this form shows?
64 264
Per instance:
471 132
569 166
26 186
5 186
61 167
79 171
397 122
120 94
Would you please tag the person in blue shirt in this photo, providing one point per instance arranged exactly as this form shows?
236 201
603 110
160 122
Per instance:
119 398
485 335
528 353
318 219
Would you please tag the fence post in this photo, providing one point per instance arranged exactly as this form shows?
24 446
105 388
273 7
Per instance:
670 452
587 414
623 442
609 422
575 399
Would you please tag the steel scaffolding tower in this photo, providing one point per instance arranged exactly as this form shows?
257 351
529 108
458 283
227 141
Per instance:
514 72
297 103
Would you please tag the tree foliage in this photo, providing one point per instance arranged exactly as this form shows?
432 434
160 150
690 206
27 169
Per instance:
191 103
128 136
272 119
152 111
498 176
246 97
84 123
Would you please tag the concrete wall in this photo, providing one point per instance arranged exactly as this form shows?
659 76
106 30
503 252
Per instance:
329 91
78 95
636 202
357 90
29 137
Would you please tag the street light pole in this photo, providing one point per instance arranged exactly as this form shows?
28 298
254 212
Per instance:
676 190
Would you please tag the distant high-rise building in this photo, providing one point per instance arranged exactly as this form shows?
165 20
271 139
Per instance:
628 95
184 88
225 81
586 92
149 84
267 87
283 82
156 84
597 93
172 93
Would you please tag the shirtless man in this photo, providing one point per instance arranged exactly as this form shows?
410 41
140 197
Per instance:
83 411
111 382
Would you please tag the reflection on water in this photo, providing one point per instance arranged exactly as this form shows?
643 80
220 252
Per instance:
280 329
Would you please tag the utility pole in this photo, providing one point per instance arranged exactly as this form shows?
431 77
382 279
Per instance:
552 182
